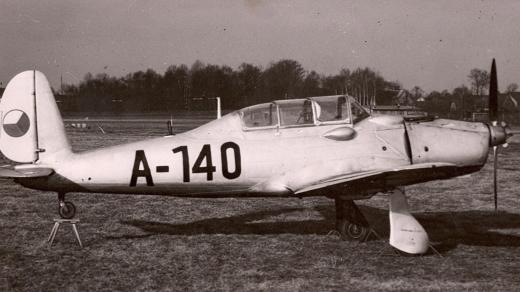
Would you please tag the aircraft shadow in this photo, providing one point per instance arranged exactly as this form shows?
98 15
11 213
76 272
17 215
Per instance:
445 229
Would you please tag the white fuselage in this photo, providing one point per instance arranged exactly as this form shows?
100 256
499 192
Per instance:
287 157
222 159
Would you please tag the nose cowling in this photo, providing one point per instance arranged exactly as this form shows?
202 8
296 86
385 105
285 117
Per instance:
458 142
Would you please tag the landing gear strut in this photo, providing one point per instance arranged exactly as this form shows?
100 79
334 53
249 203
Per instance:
66 209
406 233
350 222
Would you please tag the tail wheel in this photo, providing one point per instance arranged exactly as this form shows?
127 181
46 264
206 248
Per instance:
351 231
67 210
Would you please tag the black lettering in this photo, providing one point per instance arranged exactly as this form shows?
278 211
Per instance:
209 169
185 162
162 168
137 172
225 167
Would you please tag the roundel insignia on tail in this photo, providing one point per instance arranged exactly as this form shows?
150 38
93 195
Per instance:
16 123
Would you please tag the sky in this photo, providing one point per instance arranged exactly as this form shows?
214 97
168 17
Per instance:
431 44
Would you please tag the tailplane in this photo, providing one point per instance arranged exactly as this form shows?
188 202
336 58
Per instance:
31 128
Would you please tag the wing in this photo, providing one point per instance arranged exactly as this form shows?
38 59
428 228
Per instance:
374 181
23 171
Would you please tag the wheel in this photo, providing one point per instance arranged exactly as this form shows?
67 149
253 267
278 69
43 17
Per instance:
351 231
67 210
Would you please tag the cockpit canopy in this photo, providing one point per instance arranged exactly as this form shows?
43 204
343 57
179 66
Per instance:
313 111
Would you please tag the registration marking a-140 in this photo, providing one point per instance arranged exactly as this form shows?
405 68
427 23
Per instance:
203 164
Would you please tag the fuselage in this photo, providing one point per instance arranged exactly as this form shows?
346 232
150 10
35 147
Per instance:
226 158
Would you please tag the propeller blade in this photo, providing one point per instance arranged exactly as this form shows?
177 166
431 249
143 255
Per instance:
495 166
493 119
493 93
513 132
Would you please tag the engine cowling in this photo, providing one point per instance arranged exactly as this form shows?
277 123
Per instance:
442 140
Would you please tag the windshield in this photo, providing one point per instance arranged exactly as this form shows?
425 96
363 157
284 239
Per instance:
358 112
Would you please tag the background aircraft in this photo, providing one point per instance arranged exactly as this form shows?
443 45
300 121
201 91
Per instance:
319 146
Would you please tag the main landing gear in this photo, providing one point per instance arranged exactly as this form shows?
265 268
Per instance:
406 233
66 209
350 222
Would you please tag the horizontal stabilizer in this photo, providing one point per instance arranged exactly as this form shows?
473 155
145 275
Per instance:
23 171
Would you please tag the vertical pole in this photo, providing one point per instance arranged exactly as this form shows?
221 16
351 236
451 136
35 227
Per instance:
462 103
365 91
37 150
219 111
495 166
375 94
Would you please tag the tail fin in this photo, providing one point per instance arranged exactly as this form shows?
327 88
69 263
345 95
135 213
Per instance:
31 128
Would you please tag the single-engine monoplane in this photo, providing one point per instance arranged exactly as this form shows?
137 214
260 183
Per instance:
319 146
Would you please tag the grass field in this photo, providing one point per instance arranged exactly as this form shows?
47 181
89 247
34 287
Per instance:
160 243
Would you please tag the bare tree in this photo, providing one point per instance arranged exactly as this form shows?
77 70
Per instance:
479 80
512 87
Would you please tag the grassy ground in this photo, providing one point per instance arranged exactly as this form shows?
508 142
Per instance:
160 243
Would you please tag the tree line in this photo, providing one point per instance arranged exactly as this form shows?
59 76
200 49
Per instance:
462 100
191 88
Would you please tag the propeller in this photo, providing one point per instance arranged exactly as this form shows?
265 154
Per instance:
498 133
493 119
493 94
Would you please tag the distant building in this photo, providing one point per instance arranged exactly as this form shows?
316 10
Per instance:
393 102
508 108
